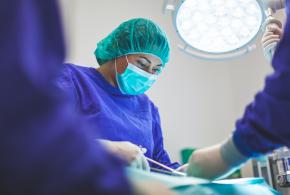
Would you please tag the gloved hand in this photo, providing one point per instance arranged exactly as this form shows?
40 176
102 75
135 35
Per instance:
125 150
216 161
131 153
272 36
140 163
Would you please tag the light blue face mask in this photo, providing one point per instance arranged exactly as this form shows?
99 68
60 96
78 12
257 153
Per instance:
134 81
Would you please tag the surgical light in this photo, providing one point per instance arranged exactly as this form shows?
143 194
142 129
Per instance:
219 29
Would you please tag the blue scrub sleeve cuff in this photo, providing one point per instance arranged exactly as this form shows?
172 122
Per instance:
231 154
242 146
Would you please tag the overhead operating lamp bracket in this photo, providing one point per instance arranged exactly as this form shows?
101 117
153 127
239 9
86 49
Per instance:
274 5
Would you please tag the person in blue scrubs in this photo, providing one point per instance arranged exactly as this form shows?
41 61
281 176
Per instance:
265 124
112 97
45 148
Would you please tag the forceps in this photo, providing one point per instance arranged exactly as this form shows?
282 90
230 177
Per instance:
171 171
165 167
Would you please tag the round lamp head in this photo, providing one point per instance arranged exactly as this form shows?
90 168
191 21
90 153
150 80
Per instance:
218 26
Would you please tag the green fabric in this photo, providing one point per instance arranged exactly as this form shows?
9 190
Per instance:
185 154
134 36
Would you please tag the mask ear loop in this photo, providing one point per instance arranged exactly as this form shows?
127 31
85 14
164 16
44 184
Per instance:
116 73
116 76
115 66
127 59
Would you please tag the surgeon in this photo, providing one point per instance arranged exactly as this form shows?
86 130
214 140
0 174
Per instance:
112 97
45 148
42 148
265 125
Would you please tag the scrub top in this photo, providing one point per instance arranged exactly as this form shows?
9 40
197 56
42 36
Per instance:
113 115
43 146
265 125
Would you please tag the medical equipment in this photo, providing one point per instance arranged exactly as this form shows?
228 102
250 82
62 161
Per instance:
275 169
271 37
174 172
274 5
271 6
160 171
219 29
166 170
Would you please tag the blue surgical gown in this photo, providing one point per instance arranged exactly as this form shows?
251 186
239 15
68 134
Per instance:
266 122
113 115
44 148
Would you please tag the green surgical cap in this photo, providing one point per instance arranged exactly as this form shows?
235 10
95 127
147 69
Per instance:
134 36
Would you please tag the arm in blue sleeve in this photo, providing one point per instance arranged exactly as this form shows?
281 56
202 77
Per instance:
160 153
64 82
265 124
43 145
